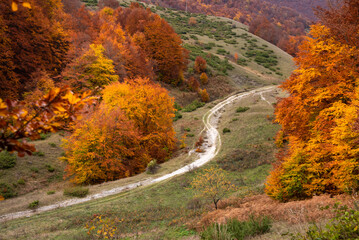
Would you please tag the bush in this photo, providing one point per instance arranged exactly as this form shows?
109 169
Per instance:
7 160
343 226
34 204
39 154
226 130
44 136
152 167
21 181
6 191
34 169
178 115
52 145
76 192
193 106
242 109
50 168
235 229
51 192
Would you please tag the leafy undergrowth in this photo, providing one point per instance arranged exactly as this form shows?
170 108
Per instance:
235 229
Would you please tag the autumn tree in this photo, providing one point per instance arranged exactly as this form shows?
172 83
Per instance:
151 109
200 65
212 183
193 84
35 37
105 146
91 70
204 78
130 61
319 119
159 41
204 95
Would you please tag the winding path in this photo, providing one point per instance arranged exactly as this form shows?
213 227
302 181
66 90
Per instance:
211 149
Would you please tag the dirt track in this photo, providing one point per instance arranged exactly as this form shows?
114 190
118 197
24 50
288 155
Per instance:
210 148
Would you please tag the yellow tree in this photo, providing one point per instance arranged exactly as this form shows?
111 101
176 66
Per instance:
91 70
212 183
151 109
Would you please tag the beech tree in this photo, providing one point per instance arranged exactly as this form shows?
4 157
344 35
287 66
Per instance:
105 146
91 70
151 109
320 117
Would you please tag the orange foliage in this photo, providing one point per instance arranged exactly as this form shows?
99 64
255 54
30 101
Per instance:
132 126
318 120
151 109
56 110
200 64
193 84
204 95
158 40
38 35
104 147
204 78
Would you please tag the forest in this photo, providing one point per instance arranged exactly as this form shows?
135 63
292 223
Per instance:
105 81
283 23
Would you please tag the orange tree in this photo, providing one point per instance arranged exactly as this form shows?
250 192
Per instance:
319 121
131 127
151 109
212 183
104 147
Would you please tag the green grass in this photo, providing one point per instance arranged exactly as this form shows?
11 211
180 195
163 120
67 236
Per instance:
158 211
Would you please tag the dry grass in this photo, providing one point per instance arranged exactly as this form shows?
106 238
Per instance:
295 212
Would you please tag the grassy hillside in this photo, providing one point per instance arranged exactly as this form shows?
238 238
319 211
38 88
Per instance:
168 210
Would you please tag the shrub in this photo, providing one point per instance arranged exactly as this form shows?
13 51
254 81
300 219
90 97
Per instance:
216 232
34 169
343 226
50 168
178 115
226 130
6 191
193 106
7 160
204 78
39 154
52 144
187 129
76 191
21 181
34 204
242 109
235 229
152 167
204 95
51 192
44 136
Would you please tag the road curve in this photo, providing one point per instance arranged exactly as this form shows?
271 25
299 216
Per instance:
211 149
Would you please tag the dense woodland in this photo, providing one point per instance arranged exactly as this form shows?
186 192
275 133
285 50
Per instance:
58 57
